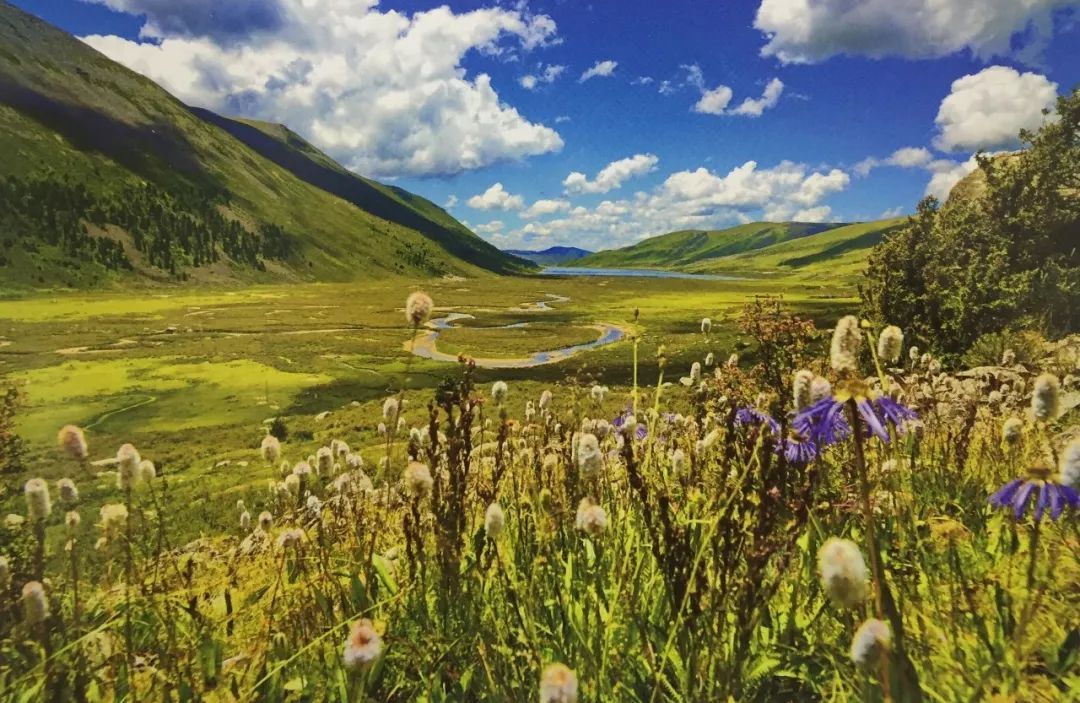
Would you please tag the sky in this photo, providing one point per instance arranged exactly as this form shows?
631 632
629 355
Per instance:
564 122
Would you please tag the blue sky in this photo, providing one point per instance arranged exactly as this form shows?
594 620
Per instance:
861 108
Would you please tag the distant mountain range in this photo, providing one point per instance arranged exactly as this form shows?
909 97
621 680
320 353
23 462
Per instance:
552 256
757 247
107 179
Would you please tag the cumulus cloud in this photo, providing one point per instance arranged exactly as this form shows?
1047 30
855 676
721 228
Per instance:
383 92
545 207
715 101
946 174
600 69
754 107
496 198
489 228
694 199
987 110
905 157
808 31
611 176
544 74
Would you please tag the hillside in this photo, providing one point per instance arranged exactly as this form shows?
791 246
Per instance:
688 247
107 178
552 256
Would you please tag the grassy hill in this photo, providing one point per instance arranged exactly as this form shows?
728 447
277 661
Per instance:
686 248
552 256
107 178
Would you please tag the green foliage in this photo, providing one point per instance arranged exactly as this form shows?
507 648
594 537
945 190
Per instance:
1000 254
11 444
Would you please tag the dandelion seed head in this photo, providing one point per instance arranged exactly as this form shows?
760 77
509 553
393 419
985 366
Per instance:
73 441
890 344
1045 397
270 449
418 307
38 503
35 604
363 647
69 492
558 684
418 479
494 520
843 572
871 640
846 340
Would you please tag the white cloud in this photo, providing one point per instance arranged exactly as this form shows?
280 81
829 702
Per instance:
891 213
544 74
946 174
753 108
490 228
821 213
807 31
987 110
642 80
611 176
545 207
562 118
600 68
384 92
905 157
496 198
451 202
715 101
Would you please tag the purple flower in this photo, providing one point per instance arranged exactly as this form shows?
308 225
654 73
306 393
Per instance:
894 412
1017 494
640 433
797 449
824 422
756 418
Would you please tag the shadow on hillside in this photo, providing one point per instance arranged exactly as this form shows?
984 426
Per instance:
864 241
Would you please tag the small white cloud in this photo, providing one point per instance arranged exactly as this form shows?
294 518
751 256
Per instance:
451 202
820 213
562 118
496 198
891 213
987 110
715 101
545 207
611 176
642 80
490 228
599 69
544 75
754 107
905 157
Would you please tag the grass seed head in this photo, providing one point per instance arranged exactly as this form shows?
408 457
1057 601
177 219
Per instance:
127 466
38 504
1044 397
35 604
846 340
418 479
890 344
69 492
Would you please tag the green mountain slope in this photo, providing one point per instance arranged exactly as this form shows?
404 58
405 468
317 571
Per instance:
107 178
690 247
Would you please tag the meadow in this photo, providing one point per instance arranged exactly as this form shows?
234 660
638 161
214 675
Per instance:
654 519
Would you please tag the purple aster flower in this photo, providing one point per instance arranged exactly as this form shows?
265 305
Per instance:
797 449
1018 493
894 412
824 422
756 418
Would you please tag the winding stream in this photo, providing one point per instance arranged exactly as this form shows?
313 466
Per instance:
424 345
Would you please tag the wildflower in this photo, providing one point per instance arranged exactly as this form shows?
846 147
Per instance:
797 449
494 520
913 354
846 341
1044 398
418 479
824 422
872 639
38 505
678 461
127 466
266 521
113 519
324 459
925 359
1017 494
271 449
843 572
147 470
591 518
819 388
695 373
1070 464
69 493
418 308
934 367
245 521
499 389
598 393
72 440
292 484
756 418
1008 357
314 505
35 605
710 359
1011 430
72 519
545 400
589 458
733 361
341 451
291 538
389 409
363 646
381 429
5 574
558 684
800 388
706 325
530 411
890 344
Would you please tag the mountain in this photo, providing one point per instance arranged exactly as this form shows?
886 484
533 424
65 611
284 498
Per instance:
688 247
108 179
552 256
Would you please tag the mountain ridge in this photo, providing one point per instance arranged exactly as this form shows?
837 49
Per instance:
550 256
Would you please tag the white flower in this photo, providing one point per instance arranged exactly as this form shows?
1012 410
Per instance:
1070 464
418 308
499 390
890 344
871 640
598 393
843 572
69 493
266 521
820 388
127 466
363 647
591 518
418 479
846 340
589 458
72 440
545 400
1011 430
558 684
245 521
390 408
271 449
147 470
800 388
494 520
706 325
1044 398
678 461
35 605
38 504
324 459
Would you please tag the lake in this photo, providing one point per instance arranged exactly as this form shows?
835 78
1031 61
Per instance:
644 273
